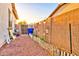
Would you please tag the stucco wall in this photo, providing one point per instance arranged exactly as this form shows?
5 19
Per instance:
4 19
3 23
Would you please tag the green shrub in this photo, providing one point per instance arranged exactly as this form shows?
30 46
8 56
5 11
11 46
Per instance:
42 38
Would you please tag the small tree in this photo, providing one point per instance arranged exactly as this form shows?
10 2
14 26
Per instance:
22 23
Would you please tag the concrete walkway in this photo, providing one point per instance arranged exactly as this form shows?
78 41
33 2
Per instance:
23 46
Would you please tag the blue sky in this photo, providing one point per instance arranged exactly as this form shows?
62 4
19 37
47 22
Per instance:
34 12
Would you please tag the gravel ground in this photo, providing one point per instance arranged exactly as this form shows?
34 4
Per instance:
23 46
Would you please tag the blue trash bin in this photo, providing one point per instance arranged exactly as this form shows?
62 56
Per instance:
30 30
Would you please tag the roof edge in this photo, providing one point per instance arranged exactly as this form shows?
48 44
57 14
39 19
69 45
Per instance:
58 7
14 10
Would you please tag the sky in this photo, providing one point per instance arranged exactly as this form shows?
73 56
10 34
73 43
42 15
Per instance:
34 12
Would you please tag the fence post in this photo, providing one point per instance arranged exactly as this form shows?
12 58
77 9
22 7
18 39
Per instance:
62 53
68 54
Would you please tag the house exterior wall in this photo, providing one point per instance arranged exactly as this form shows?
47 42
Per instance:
4 21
